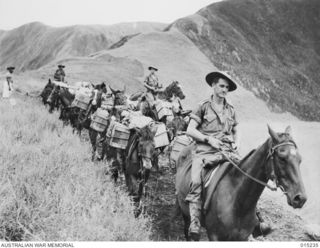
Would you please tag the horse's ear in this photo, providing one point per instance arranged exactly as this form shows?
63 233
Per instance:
273 134
49 81
289 130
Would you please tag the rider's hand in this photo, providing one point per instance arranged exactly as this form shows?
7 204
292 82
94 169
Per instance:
215 143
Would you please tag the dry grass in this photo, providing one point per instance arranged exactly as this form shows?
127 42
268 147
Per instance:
49 188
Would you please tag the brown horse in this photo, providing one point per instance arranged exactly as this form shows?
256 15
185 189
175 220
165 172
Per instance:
231 213
140 157
65 98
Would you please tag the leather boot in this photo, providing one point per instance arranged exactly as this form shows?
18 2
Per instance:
195 215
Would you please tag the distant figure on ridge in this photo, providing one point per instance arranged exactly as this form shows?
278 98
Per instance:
59 75
8 83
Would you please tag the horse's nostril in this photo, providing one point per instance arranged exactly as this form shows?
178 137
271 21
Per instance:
299 199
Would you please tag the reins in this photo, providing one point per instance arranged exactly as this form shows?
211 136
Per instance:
270 155
247 175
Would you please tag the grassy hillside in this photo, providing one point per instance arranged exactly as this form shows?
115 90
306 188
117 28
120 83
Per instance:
35 44
49 188
272 46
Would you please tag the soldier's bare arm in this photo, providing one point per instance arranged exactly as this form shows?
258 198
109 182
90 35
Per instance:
198 136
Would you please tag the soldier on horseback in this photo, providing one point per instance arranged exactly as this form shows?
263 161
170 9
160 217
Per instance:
213 126
153 87
152 82
59 75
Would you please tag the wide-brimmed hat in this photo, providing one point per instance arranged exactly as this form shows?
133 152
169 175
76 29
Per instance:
151 67
218 74
61 66
10 68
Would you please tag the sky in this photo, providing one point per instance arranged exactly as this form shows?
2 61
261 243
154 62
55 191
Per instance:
57 13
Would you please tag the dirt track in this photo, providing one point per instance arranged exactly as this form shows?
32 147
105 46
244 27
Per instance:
169 227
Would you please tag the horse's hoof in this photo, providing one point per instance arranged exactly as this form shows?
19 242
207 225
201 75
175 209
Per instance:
265 228
194 236
262 229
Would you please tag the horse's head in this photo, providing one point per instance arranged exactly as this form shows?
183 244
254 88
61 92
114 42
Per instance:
285 167
146 148
54 94
97 98
174 89
119 96
47 90
103 87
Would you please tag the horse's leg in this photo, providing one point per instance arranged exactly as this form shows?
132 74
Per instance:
63 116
93 137
156 163
261 227
100 145
128 182
115 165
144 185
79 130
186 220
51 108
136 197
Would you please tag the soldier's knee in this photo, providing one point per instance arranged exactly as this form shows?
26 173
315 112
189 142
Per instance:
196 169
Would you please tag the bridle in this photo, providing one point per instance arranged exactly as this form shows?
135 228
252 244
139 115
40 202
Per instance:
270 157
272 174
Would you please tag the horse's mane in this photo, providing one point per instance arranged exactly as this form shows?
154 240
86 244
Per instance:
246 157
283 136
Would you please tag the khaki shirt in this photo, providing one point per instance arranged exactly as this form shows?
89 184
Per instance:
213 123
152 80
59 75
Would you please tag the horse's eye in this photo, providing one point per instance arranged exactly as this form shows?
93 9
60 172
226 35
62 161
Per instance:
282 159
282 150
